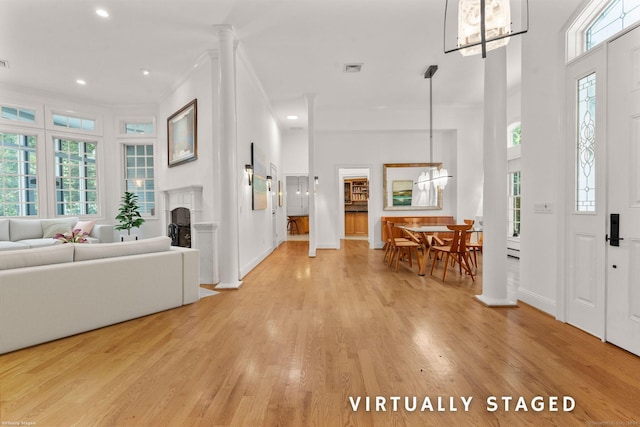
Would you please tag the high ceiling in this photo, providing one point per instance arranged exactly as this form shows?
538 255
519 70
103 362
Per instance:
294 46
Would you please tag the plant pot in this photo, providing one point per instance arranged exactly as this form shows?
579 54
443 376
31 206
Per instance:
128 238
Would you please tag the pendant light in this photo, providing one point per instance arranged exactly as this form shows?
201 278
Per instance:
484 25
439 178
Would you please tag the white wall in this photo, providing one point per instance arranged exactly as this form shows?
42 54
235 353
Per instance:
373 138
256 124
543 147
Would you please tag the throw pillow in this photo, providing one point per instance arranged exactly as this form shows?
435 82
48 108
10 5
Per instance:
50 227
85 226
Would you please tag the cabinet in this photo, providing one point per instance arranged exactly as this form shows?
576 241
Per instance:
356 190
356 223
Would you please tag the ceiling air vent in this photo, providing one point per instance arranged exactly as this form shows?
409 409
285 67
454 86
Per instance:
352 68
4 63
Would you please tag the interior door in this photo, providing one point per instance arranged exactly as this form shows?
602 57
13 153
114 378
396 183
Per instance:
273 191
586 201
623 256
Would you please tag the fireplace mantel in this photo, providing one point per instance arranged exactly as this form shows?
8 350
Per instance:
204 234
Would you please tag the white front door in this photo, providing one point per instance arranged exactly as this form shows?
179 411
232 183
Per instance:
586 194
623 261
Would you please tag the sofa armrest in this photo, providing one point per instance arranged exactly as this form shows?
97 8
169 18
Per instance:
190 274
102 232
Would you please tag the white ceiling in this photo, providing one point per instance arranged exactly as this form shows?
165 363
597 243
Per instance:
295 47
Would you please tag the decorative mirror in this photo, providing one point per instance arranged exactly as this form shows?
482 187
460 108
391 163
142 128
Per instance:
408 186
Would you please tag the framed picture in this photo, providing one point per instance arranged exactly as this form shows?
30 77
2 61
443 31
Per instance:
407 186
182 134
259 187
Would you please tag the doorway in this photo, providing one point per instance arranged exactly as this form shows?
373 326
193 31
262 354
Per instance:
354 203
603 275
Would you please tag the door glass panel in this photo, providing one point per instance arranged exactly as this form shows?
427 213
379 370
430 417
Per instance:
586 144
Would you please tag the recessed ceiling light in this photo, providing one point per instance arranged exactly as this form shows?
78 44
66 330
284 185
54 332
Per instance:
103 13
292 117
81 82
144 71
352 68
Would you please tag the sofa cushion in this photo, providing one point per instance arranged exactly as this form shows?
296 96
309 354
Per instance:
4 230
56 254
84 252
21 229
39 243
51 227
11 246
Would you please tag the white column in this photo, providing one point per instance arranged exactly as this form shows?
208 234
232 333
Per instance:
229 227
494 216
310 99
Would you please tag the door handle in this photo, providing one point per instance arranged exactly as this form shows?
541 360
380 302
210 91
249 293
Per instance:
614 229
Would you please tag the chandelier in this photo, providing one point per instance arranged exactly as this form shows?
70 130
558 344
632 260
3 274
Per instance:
484 25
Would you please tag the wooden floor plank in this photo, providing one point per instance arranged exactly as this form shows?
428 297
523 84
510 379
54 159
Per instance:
302 335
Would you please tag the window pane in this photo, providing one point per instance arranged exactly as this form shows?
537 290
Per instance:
618 15
586 145
76 174
18 175
139 175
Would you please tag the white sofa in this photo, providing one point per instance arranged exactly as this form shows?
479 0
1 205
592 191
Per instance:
19 233
56 291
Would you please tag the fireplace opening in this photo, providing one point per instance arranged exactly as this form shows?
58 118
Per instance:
180 227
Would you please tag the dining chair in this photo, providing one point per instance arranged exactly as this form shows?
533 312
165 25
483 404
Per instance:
400 246
456 251
387 243
475 247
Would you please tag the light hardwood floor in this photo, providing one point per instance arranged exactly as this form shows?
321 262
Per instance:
303 335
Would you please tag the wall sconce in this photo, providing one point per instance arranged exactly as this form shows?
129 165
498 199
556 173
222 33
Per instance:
269 179
317 180
483 25
249 170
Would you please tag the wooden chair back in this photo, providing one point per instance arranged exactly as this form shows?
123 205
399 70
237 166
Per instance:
459 242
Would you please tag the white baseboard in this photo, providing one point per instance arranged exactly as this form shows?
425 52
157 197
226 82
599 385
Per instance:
538 301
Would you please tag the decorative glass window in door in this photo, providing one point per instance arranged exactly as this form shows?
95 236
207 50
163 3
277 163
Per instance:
615 17
586 144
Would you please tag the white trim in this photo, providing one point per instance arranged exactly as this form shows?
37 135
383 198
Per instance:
39 115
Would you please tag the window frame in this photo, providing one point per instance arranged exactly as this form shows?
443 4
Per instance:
123 156
51 175
41 192
122 127
88 115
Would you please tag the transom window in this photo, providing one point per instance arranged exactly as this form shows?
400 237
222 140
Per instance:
18 175
138 177
138 128
24 115
72 122
75 177
615 17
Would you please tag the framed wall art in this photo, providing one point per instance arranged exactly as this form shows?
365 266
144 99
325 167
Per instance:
182 134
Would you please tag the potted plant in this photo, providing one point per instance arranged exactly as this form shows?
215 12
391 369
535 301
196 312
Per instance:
129 214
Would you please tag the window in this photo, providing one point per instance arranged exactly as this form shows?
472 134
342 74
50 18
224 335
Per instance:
515 135
18 175
138 128
75 177
18 114
138 177
586 145
72 122
514 205
616 16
